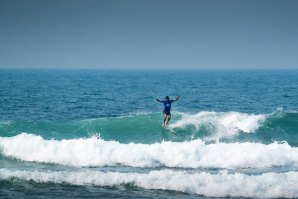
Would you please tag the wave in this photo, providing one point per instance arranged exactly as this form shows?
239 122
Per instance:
146 127
223 184
134 126
96 152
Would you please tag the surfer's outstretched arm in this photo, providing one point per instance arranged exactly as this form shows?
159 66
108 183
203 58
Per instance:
176 98
159 100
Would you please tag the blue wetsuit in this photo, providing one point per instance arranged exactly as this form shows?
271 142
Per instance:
167 105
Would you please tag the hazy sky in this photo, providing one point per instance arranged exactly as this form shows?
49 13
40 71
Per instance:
149 34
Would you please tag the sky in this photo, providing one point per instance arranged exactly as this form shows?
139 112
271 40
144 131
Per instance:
149 34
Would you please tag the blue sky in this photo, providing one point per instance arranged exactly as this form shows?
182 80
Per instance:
143 34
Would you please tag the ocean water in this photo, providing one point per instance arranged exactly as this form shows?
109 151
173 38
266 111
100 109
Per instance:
98 134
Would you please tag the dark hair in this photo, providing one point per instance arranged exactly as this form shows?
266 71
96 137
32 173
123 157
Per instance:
167 97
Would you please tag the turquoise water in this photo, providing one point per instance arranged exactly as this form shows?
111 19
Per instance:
96 133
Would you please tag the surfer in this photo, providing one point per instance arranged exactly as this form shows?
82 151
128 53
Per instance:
167 110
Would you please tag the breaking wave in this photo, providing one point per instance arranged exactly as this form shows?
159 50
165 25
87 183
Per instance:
94 151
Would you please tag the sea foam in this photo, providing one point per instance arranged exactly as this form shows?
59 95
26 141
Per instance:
95 151
223 184
222 123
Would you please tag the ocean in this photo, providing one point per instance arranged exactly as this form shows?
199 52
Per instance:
98 134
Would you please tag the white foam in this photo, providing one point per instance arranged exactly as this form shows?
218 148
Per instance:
223 184
222 123
193 154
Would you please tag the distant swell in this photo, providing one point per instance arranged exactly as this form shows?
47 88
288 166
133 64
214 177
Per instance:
223 184
189 154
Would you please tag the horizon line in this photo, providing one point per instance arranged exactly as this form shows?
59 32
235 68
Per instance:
147 68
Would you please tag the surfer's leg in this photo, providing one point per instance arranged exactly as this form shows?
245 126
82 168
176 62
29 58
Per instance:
169 117
164 119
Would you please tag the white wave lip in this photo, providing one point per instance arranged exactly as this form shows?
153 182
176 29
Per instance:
192 154
223 123
223 184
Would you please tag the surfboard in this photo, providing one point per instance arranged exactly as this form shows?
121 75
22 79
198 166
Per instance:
165 125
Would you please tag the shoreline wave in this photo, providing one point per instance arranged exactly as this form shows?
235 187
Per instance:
222 184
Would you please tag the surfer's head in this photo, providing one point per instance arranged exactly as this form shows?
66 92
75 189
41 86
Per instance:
167 98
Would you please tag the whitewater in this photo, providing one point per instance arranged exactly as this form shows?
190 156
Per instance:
191 154
83 134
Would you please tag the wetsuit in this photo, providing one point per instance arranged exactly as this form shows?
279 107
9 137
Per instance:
167 105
